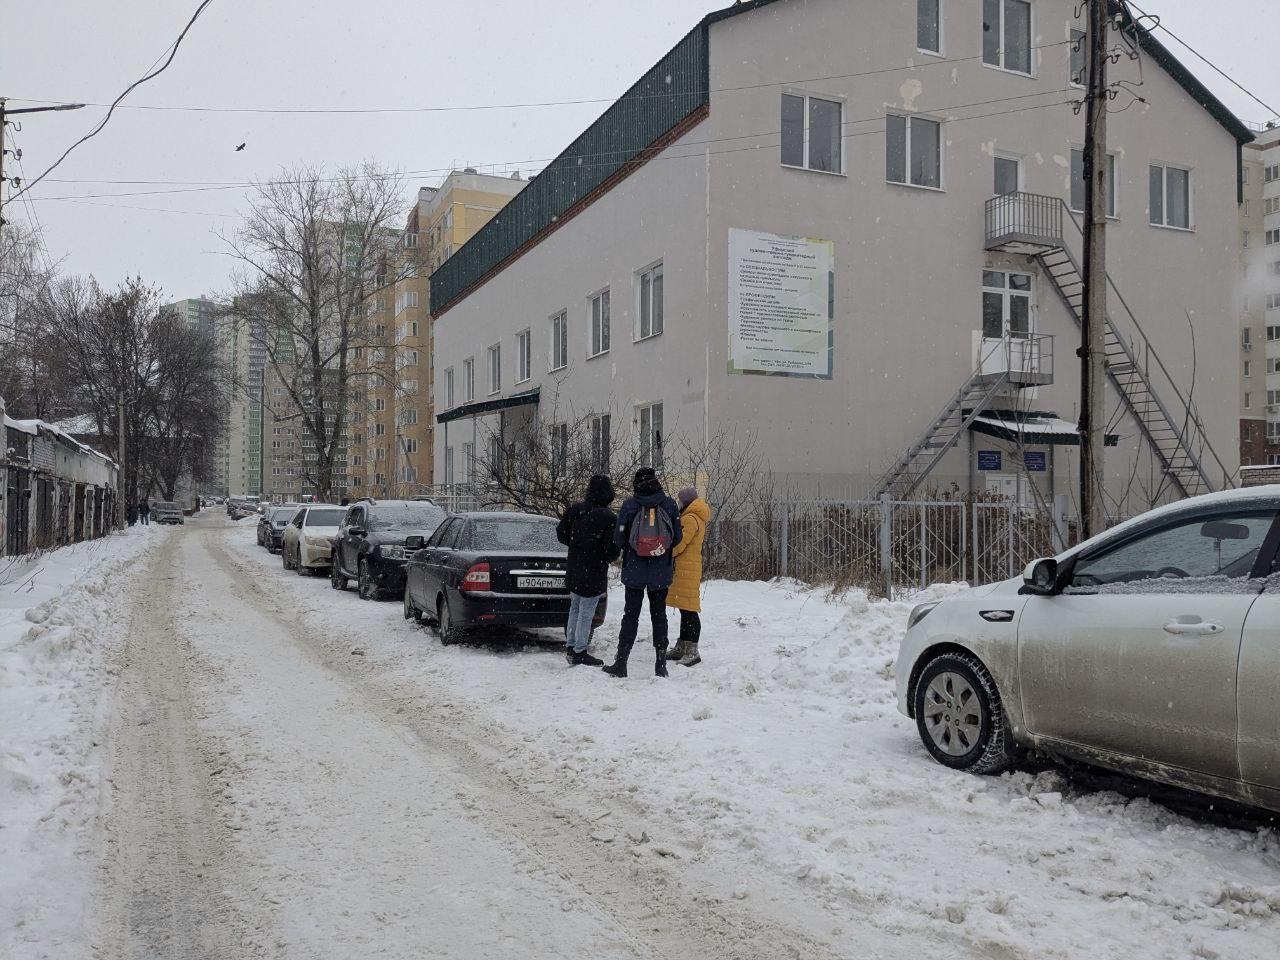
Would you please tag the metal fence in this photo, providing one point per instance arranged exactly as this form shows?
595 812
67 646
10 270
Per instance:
885 544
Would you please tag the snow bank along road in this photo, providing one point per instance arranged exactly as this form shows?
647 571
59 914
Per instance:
295 773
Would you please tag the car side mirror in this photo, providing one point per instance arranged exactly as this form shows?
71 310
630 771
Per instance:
414 543
1041 578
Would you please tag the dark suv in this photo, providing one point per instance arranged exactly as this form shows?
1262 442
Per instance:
369 547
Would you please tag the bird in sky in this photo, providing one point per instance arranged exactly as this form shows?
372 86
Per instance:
239 148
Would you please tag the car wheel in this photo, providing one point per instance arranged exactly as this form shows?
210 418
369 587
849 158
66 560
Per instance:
297 564
336 579
410 611
365 586
444 623
960 716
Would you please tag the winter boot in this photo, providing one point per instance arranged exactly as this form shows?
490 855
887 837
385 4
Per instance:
691 658
568 656
585 659
660 662
619 666
677 652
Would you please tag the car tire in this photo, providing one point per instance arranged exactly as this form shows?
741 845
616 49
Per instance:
960 716
336 579
297 564
444 623
365 586
411 612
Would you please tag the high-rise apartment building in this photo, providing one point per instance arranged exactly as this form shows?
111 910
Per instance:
1260 300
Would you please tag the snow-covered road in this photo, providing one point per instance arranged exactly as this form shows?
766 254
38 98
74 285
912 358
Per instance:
296 773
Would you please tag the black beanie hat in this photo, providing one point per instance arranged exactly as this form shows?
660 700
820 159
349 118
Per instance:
600 490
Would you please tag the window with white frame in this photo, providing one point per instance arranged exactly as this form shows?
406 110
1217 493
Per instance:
410 444
1273 459
913 151
1272 238
650 435
379 404
524 356
649 313
559 449
1273 364
1248 368
1007 175
1273 333
1079 64
1273 268
1078 184
448 466
494 355
812 133
1273 398
497 456
379 429
1244 238
1270 205
1170 196
601 444
468 380
1273 433
448 387
1006 34
560 341
1248 401
1273 301
409 418
1271 173
1006 304
599 324
929 26
468 462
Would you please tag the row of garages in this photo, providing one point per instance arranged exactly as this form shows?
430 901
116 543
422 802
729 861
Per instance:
56 490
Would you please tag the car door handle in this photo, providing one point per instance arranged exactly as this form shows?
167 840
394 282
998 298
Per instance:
1192 628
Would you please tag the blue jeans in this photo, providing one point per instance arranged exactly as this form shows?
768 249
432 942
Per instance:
577 630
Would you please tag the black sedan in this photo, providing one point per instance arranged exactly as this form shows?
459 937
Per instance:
271 526
489 569
370 545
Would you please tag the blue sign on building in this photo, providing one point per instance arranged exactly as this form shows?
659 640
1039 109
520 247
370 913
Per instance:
989 460
1035 461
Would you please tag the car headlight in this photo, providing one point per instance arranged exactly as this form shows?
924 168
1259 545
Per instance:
919 612
319 542
393 552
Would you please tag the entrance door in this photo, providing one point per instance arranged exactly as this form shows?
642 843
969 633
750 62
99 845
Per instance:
1006 320
1138 657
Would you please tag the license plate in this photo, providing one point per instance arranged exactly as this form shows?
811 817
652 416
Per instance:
540 583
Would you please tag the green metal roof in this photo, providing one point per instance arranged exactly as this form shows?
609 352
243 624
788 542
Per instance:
672 92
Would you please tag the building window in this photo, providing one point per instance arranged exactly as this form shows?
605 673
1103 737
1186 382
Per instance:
1273 434
560 341
468 380
599 324
1269 206
1008 175
448 465
1270 173
812 133
650 417
601 449
1077 182
1079 69
1273 333
1272 238
559 449
1006 305
650 311
1248 369
1248 401
1273 301
494 355
410 445
379 430
379 404
524 356
448 388
1170 196
1006 34
1273 459
913 151
1244 239
497 457
410 417
468 462
928 26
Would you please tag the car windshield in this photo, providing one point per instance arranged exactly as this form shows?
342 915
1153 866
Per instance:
523 533
324 518
419 517
166 505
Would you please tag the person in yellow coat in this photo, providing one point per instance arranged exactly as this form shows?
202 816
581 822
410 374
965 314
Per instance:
685 593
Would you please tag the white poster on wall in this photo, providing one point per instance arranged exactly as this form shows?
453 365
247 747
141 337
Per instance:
781 305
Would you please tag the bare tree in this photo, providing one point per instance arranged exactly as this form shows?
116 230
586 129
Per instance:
25 278
309 252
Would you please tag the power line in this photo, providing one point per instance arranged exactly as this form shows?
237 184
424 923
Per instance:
594 158
1158 24
929 62
153 72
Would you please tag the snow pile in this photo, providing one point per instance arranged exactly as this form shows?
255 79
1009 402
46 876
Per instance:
57 641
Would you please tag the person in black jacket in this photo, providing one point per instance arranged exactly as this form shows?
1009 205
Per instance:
587 530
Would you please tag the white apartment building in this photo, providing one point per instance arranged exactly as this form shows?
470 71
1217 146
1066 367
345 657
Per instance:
853 228
1260 301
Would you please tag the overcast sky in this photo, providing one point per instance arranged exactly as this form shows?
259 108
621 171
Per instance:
392 53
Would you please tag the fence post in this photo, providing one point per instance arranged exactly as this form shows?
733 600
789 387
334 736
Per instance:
1010 512
784 546
924 548
886 543
964 547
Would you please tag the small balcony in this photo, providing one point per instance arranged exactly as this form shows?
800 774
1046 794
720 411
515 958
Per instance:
1026 359
1026 223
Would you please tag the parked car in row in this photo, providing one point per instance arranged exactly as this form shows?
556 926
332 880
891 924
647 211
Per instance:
167 511
370 545
307 543
1152 649
272 524
489 569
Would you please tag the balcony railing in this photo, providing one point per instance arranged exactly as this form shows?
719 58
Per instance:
1023 223
1026 359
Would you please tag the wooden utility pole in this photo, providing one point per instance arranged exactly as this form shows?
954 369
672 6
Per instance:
4 112
120 474
1093 356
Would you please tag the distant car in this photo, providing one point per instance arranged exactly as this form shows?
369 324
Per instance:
167 511
308 538
489 569
369 547
271 526
1152 649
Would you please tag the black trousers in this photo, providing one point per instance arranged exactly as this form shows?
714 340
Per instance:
690 626
631 620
